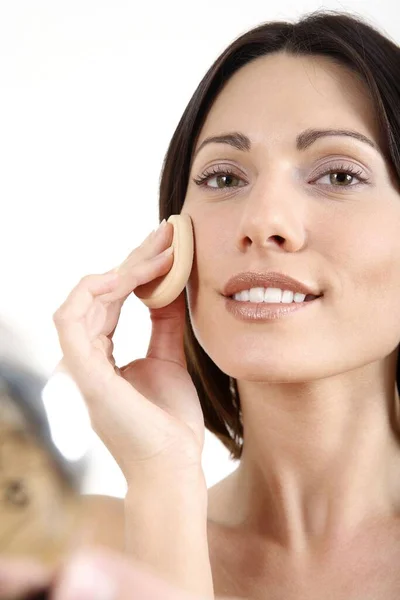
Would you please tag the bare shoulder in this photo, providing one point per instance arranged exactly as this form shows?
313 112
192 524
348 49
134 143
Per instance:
103 521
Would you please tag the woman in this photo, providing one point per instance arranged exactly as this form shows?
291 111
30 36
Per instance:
287 161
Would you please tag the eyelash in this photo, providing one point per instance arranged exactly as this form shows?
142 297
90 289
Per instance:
225 170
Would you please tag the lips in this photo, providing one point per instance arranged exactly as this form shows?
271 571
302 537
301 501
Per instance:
252 279
267 313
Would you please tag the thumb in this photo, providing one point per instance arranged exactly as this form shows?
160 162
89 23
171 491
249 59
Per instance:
168 325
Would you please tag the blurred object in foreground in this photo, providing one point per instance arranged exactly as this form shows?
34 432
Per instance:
39 485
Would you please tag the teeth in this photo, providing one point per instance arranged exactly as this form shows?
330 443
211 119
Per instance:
257 294
287 296
272 295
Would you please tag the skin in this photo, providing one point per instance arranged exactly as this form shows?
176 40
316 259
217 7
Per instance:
320 469
313 506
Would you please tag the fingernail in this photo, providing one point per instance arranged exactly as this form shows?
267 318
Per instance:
161 226
83 580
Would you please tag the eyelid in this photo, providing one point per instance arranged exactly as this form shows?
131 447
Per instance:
351 160
339 165
231 164
327 163
330 149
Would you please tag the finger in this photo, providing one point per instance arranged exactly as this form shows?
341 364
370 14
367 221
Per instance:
146 269
154 244
108 575
168 324
20 578
132 274
86 363
69 320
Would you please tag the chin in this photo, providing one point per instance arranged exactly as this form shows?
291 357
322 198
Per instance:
274 367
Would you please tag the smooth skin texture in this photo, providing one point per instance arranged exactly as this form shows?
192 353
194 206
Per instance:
318 486
314 505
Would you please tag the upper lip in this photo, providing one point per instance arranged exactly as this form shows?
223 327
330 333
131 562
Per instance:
252 279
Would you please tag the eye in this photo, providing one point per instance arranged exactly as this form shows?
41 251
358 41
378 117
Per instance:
217 172
344 174
226 177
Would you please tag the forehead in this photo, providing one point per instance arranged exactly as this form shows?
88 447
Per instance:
276 96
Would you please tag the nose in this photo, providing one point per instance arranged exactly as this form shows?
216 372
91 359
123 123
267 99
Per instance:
273 216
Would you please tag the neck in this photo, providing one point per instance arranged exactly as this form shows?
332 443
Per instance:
318 458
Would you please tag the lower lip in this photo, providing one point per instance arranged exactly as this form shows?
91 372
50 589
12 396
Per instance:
262 311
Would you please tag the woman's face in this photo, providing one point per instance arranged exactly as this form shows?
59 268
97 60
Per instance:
278 209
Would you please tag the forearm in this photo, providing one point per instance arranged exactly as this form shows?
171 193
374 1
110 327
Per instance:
166 527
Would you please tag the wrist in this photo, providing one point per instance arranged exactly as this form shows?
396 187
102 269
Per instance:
166 527
159 472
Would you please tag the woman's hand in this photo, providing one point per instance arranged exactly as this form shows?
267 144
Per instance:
148 412
93 574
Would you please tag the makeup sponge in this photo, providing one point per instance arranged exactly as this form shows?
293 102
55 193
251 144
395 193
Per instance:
164 290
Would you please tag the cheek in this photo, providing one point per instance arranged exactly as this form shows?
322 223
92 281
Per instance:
210 268
362 254
367 256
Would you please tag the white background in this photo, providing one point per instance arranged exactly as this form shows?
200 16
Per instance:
91 92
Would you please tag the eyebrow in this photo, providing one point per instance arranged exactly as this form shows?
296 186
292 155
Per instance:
240 141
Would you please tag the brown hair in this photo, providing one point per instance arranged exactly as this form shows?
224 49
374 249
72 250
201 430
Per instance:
345 38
